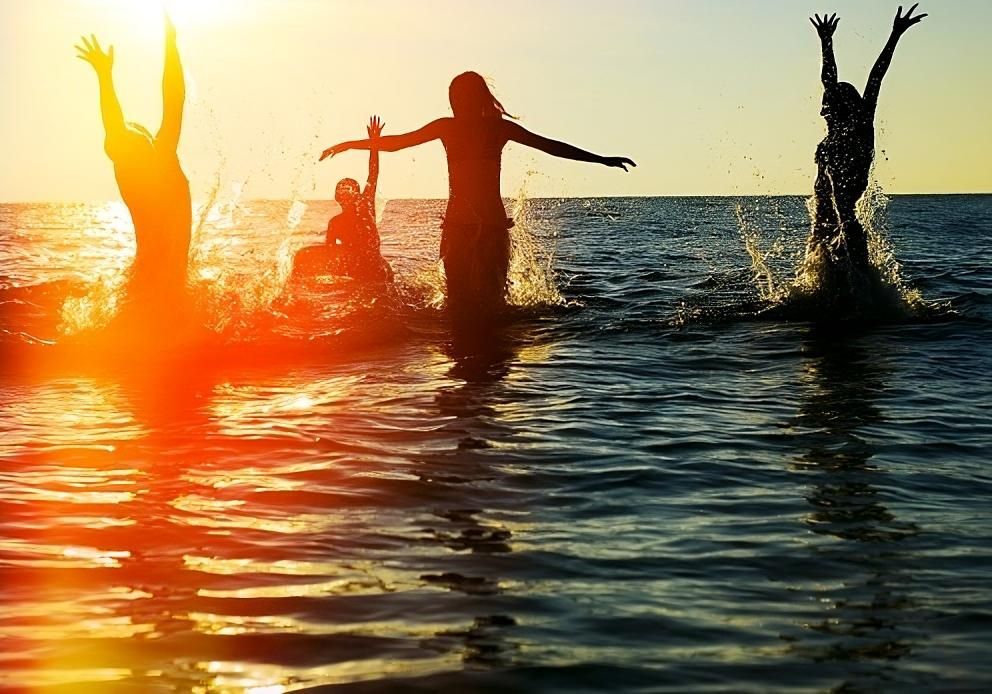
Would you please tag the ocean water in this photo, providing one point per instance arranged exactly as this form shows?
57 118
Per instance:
645 482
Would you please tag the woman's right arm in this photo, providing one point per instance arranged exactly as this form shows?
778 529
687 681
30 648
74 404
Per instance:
392 143
825 27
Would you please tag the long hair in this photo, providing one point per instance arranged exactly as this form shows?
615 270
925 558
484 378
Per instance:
845 102
471 97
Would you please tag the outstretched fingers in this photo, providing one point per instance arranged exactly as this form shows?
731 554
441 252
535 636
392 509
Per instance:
902 22
825 25
619 162
374 126
909 15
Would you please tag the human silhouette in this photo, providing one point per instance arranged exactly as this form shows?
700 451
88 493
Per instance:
475 240
149 176
845 155
351 246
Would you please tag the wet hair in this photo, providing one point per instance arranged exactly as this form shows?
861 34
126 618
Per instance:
346 191
844 101
141 130
470 96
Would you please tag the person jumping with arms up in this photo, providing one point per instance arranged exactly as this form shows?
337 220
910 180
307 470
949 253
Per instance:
149 177
844 157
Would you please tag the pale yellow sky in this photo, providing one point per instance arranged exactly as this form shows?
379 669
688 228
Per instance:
708 96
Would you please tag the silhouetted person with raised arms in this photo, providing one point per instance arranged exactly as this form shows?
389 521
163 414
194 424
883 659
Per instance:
475 240
149 177
845 155
351 246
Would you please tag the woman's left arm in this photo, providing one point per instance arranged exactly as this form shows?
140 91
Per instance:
899 26
517 133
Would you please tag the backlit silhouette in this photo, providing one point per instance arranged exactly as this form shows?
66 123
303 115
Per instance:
351 246
475 241
149 176
845 155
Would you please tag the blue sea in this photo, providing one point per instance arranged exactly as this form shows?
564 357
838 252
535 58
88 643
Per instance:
646 481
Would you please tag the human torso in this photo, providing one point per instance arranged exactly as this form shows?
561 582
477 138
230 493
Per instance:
474 151
845 155
354 233
156 192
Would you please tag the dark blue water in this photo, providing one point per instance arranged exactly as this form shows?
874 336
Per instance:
638 485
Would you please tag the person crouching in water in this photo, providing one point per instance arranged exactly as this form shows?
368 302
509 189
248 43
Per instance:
351 245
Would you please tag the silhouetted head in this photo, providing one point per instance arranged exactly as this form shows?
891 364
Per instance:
471 97
346 192
841 103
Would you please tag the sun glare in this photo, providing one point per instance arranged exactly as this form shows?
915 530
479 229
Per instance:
145 15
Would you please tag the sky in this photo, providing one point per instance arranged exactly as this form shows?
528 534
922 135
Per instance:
709 97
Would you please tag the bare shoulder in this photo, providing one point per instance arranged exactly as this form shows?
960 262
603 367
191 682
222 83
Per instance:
440 127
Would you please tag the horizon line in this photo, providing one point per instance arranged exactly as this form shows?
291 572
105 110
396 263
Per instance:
537 197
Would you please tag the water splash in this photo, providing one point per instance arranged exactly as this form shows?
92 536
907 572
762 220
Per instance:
297 209
766 263
234 302
810 279
97 298
873 211
96 308
425 287
532 277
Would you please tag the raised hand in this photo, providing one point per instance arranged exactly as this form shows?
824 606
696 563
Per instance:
618 162
902 22
374 128
825 26
93 54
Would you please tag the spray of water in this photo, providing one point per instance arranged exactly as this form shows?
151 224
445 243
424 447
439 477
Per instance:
532 277
811 278
101 294
94 309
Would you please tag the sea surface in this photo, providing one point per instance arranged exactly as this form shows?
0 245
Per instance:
644 482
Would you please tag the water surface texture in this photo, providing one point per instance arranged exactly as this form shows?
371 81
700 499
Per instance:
638 485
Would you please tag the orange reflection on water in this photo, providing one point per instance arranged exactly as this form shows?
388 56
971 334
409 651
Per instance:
248 411
67 413
178 527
